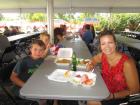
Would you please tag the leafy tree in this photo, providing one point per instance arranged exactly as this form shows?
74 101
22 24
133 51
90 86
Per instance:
65 17
133 22
119 22
34 16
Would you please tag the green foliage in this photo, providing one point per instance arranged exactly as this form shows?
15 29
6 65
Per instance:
103 22
34 16
66 17
134 22
86 15
119 21
1 17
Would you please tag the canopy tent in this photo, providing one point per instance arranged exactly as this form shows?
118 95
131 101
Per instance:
22 6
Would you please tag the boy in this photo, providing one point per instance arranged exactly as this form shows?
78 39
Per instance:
26 66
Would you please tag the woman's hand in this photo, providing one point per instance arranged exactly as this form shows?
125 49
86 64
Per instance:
89 66
48 45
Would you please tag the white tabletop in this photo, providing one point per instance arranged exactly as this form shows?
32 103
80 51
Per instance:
130 42
40 87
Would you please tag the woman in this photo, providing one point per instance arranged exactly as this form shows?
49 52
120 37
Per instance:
118 70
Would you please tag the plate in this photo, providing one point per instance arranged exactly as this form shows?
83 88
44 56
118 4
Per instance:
86 79
58 75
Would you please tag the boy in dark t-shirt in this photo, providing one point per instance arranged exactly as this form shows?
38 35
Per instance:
26 66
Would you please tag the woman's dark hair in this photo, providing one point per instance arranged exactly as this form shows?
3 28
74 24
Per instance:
39 42
57 31
107 32
87 26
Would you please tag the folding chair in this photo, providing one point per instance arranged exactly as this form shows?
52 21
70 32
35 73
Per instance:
132 100
9 98
8 55
4 43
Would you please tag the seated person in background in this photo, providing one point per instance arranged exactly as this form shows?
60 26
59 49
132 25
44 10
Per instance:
118 71
35 29
13 30
87 36
27 66
46 39
7 31
58 35
64 29
58 39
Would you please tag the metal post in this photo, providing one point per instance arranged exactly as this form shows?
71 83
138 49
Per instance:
50 20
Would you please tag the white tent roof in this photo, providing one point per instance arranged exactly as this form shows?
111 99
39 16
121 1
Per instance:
71 5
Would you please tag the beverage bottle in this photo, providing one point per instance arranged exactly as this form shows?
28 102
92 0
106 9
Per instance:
74 62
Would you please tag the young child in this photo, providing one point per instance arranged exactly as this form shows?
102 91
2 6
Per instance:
50 48
27 66
46 39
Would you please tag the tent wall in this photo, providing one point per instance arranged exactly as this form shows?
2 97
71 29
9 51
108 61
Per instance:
71 6
74 9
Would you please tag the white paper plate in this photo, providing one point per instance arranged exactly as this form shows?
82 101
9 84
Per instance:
58 75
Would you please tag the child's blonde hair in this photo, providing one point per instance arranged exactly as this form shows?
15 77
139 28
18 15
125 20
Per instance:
42 35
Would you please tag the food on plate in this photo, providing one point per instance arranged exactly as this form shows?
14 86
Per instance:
63 61
84 61
85 80
79 76
88 82
75 80
67 74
